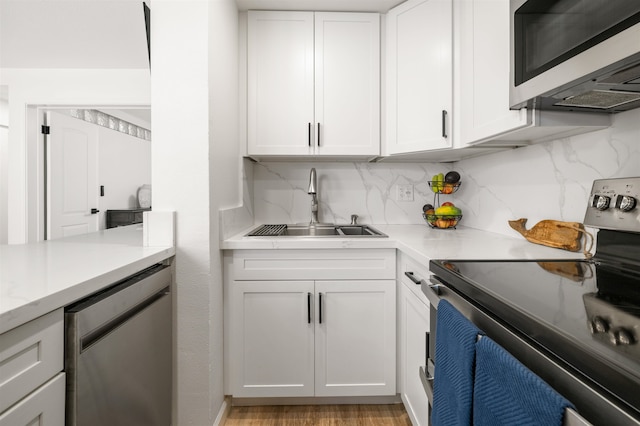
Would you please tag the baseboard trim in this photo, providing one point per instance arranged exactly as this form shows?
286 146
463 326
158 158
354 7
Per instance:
225 408
329 400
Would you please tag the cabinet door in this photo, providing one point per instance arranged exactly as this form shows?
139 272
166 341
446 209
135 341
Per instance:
272 337
414 323
482 56
280 83
43 407
347 83
419 76
355 338
30 355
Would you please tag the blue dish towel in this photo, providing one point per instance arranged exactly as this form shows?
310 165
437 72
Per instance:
508 393
455 354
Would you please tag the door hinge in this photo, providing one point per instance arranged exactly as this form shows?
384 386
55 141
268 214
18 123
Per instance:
46 130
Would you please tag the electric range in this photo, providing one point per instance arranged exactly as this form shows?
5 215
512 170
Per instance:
584 315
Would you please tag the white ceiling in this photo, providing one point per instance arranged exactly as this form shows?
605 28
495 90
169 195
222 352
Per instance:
381 6
109 33
73 34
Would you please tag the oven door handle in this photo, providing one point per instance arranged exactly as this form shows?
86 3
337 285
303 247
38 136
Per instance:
435 284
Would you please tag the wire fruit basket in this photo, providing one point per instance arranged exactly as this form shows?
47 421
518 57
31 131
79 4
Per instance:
440 187
442 221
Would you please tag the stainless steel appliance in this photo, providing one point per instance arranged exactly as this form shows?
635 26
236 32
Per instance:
118 356
574 323
575 55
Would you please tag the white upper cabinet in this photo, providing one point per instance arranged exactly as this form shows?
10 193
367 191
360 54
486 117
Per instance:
419 76
280 83
313 83
482 71
347 88
481 83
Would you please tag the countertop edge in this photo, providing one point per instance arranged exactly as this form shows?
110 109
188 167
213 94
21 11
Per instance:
30 310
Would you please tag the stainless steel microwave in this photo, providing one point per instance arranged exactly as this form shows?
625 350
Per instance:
578 55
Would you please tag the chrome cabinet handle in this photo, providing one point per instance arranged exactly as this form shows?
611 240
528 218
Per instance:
309 128
320 308
318 134
308 308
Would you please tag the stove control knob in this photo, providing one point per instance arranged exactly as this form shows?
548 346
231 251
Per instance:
598 325
625 203
601 202
621 336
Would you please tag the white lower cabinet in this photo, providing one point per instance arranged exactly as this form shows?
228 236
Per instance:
413 324
44 407
355 338
272 338
32 385
334 336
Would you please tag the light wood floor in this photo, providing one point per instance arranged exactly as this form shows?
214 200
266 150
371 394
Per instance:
319 415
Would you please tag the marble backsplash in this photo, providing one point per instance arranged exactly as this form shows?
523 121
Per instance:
549 180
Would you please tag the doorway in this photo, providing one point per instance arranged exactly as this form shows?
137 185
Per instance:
91 159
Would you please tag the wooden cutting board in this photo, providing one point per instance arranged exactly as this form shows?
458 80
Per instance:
552 233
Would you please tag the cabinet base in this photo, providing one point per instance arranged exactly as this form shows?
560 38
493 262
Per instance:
317 400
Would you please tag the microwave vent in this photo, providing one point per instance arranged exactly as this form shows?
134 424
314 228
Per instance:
624 76
601 99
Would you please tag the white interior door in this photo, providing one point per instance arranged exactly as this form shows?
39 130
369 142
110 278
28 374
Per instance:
72 176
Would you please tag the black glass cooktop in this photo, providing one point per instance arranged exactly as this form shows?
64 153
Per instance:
585 313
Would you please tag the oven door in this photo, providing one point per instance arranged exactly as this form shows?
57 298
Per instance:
592 406
561 45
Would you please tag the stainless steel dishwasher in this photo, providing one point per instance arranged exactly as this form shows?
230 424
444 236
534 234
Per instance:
118 355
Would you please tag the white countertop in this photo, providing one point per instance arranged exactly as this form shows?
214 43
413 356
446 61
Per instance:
418 241
40 277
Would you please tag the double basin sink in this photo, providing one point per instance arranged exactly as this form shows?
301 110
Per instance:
317 230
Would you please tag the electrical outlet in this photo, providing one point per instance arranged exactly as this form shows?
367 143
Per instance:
405 192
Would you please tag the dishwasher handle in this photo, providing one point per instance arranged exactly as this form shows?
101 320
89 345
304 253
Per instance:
95 335
104 310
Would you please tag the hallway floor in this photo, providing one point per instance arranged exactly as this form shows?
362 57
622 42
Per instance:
319 415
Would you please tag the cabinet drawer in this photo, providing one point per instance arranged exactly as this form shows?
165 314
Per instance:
420 272
359 264
44 407
29 356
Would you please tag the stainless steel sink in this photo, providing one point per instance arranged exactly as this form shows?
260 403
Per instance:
317 230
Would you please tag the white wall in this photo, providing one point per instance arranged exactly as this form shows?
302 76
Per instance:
4 147
74 53
195 170
73 87
225 162
124 165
